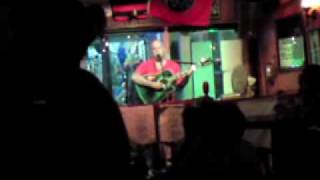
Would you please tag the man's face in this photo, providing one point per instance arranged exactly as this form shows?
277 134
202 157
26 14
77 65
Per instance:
157 48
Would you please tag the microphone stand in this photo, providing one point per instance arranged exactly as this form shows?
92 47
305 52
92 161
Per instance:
184 62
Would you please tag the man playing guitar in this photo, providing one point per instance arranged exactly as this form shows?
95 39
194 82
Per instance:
146 72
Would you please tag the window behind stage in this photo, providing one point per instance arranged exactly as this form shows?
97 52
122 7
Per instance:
114 60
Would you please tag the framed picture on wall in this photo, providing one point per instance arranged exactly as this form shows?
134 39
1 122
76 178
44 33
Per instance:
291 43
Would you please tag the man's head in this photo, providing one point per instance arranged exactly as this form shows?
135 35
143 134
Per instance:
157 48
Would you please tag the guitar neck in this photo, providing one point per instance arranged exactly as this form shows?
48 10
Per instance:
183 74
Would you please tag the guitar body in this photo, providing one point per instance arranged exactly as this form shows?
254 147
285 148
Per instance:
148 95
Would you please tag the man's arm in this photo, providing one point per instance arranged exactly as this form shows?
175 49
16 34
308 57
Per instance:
182 76
139 79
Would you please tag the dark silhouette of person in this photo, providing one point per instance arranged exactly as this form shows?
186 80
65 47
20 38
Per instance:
310 94
308 146
296 135
70 125
206 99
213 147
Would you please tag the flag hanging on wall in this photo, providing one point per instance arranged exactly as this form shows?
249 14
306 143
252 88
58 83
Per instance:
182 12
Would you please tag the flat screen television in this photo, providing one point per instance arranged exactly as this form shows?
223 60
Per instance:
291 52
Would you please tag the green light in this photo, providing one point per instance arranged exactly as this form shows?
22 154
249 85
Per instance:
212 30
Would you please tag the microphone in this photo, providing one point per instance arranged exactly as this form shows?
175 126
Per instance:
158 58
205 61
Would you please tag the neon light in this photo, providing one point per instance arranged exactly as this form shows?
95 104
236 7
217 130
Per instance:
212 30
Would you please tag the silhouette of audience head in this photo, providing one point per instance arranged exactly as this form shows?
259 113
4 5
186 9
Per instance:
48 41
214 146
205 87
223 123
54 35
62 133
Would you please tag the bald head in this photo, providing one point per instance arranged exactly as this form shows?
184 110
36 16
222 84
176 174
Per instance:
157 48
